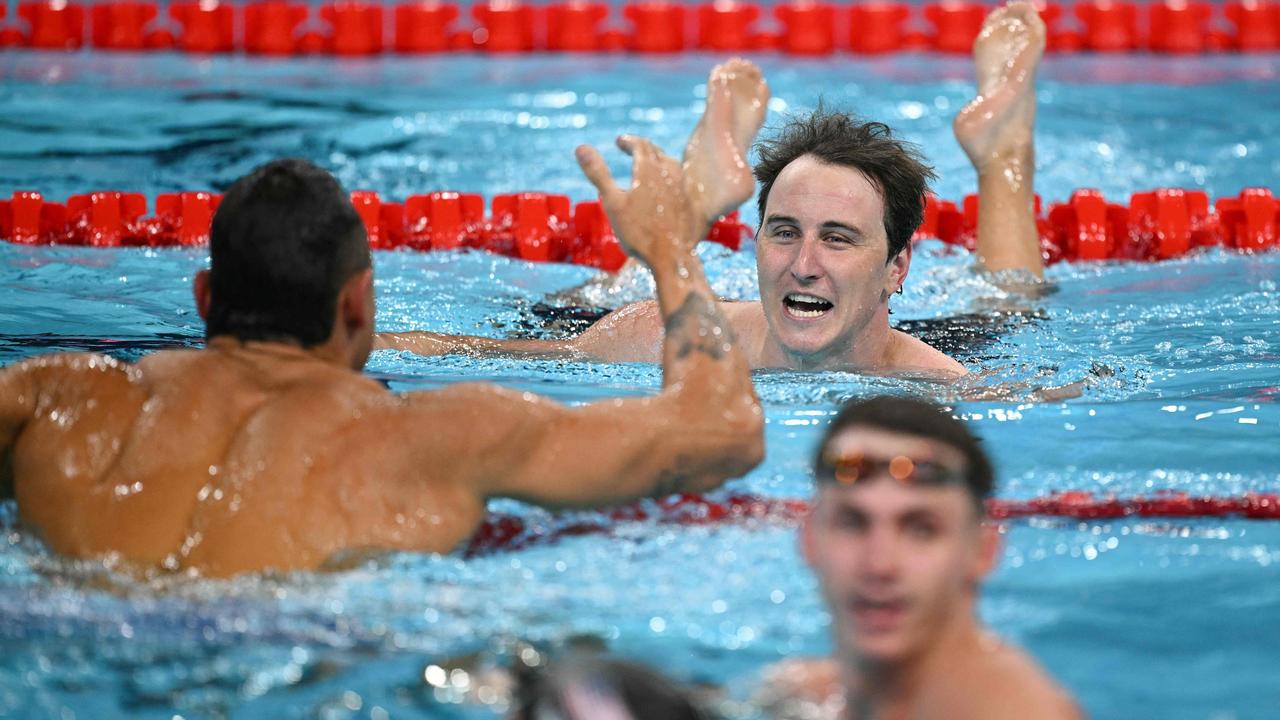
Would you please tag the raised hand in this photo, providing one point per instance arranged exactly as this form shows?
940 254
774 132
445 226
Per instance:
654 219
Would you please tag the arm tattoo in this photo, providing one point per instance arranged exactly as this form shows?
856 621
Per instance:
670 482
698 326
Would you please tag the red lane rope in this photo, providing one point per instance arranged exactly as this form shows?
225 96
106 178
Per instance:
347 28
510 532
1154 225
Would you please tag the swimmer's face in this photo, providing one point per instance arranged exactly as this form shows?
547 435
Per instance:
897 562
820 257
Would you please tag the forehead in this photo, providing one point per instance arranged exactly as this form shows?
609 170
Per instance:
814 191
884 495
887 499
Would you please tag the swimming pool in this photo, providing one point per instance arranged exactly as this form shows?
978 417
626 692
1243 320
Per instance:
1169 619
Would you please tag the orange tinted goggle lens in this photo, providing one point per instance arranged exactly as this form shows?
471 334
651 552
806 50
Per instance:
849 469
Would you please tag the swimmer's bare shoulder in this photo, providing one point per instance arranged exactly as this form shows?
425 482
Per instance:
911 355
1007 685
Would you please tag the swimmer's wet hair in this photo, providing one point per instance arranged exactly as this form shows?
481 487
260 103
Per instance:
894 166
918 418
285 238
644 693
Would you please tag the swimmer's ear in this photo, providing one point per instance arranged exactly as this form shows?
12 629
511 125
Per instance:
808 543
899 266
203 293
353 303
989 545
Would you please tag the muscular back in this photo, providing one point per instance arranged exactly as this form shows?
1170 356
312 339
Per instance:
224 461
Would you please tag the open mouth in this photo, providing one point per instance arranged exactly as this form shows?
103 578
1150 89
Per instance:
878 614
806 306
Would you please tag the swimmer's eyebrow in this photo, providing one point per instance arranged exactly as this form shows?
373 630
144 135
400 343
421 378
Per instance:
781 220
833 225
773 220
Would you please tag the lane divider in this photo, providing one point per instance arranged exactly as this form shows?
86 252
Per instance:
804 27
1154 225
511 532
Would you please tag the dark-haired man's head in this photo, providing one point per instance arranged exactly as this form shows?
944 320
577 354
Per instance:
897 535
839 201
289 263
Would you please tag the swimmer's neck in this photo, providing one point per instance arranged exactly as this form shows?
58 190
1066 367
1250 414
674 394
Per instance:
879 690
274 351
869 349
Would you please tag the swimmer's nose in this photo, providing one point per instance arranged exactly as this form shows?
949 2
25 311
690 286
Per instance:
805 266
882 560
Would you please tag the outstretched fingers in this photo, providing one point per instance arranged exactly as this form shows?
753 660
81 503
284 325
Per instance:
597 171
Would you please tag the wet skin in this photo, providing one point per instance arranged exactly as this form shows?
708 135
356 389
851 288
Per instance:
253 455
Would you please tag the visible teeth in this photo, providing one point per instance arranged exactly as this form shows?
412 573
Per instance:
805 305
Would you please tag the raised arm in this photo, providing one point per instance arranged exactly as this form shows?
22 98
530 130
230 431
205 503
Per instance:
996 131
704 427
717 179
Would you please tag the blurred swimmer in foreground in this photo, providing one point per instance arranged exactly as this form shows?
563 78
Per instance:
900 540
839 201
268 449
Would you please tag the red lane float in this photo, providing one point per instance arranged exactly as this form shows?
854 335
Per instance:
727 26
506 26
575 26
53 25
1156 225
1179 26
956 24
510 532
271 27
355 28
1109 25
808 27
658 27
424 27
122 25
877 27
1257 25
208 26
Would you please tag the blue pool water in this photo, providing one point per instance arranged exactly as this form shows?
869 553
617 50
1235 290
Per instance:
1141 619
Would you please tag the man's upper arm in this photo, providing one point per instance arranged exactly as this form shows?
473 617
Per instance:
632 333
498 442
430 343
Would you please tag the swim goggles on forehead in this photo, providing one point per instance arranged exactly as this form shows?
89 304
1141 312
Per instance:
849 469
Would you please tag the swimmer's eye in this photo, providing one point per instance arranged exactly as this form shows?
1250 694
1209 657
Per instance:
922 529
838 240
785 233
850 520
